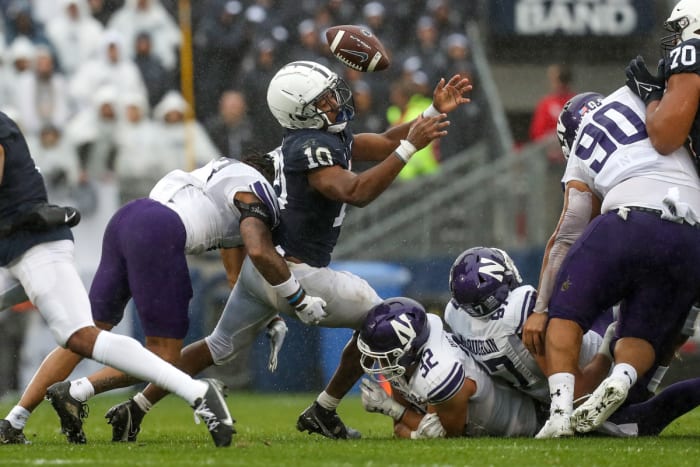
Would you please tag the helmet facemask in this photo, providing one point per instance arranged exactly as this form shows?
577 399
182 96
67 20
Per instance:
390 365
392 338
337 98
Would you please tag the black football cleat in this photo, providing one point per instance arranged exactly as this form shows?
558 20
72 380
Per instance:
69 410
125 419
11 435
213 411
317 419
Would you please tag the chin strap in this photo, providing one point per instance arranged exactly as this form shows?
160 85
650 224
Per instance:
336 127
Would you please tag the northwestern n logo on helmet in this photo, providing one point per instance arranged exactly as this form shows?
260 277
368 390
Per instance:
403 329
492 268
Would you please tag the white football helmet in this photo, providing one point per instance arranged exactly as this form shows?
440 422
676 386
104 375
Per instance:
296 88
684 23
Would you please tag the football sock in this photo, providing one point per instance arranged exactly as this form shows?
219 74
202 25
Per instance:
624 372
127 355
18 417
81 389
327 402
561 390
143 403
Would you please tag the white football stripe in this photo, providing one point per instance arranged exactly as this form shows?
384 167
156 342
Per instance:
336 40
375 60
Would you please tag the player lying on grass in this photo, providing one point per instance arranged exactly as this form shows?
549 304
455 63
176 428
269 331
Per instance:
439 390
487 311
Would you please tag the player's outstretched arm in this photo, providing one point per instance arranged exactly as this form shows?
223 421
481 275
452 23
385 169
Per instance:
360 189
447 96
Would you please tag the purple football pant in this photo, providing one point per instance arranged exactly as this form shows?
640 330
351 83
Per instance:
655 414
650 265
143 256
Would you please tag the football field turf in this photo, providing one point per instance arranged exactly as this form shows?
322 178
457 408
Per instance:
267 437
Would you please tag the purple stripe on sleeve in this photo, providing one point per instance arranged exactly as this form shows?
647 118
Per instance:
527 306
449 387
267 195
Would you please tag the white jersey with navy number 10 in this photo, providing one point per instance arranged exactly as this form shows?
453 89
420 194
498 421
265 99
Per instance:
203 199
494 341
494 410
613 156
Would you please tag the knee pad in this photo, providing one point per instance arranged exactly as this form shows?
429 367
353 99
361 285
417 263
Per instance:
221 348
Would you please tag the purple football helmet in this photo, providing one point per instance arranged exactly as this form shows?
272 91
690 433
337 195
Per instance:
392 337
571 115
481 279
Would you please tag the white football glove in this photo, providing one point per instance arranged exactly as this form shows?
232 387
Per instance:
276 332
375 399
607 338
429 427
310 310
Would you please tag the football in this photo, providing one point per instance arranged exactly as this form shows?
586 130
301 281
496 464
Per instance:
357 48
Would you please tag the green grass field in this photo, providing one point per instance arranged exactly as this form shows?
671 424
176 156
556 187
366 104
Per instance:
267 437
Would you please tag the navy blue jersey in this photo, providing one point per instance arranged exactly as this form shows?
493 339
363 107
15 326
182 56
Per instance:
685 58
310 221
21 188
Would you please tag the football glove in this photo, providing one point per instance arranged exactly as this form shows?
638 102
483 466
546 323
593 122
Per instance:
640 80
309 309
375 399
276 332
429 427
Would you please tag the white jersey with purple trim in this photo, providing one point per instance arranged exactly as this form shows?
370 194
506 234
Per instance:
203 199
494 409
613 156
495 342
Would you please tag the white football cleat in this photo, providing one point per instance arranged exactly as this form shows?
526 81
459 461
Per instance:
558 426
605 400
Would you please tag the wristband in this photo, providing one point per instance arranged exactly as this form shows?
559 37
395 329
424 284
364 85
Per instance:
431 111
405 150
287 288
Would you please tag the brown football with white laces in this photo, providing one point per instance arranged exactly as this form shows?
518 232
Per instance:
357 47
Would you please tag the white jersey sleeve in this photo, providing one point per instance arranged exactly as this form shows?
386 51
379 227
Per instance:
203 199
440 374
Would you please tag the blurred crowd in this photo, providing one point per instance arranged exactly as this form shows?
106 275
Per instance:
95 84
